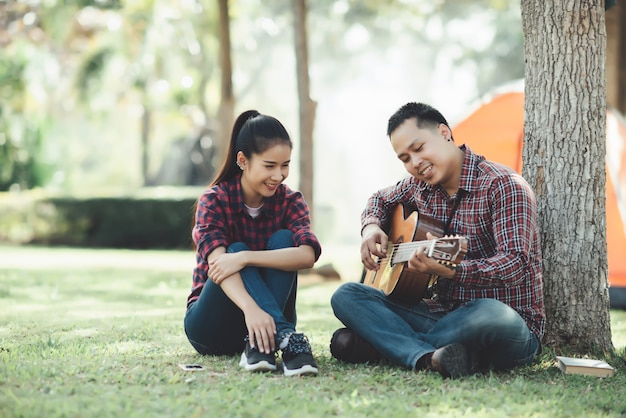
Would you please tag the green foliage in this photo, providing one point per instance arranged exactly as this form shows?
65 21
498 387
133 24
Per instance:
98 4
91 69
119 222
20 136
18 163
100 333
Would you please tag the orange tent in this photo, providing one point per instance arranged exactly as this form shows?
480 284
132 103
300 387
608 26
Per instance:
495 130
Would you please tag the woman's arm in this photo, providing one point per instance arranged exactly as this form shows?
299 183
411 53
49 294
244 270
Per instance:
261 326
289 259
225 265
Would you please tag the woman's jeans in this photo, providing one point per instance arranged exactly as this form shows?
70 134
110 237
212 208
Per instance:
404 333
215 325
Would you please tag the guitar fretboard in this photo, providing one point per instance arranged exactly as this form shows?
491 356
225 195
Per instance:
402 252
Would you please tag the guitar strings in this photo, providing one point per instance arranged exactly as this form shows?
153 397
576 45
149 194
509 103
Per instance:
403 250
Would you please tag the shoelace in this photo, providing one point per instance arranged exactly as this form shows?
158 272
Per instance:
298 343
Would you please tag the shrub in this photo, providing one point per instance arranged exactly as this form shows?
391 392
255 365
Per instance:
150 219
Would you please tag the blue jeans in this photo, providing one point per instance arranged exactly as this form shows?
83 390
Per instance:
404 333
215 325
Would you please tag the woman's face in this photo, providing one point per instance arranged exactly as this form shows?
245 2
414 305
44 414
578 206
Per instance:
262 173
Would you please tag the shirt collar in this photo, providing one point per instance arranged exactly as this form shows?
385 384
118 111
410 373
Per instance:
236 194
469 172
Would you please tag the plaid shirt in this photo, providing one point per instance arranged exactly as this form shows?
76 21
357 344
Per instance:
498 216
222 219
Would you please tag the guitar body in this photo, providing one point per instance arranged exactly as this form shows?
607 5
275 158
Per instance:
398 281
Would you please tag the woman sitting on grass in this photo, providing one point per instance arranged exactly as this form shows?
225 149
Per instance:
252 235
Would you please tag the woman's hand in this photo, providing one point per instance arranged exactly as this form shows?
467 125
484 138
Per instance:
261 329
225 265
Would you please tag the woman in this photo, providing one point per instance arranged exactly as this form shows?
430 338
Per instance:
252 235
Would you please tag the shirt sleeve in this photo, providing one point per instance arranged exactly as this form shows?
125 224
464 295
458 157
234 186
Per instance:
378 209
209 231
514 225
299 222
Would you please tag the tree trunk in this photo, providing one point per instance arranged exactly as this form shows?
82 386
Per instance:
564 161
307 106
227 100
146 124
616 56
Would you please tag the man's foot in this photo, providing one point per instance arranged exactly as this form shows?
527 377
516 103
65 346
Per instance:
348 346
254 361
297 356
452 361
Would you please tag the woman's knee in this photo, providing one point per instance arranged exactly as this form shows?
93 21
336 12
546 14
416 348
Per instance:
283 238
236 247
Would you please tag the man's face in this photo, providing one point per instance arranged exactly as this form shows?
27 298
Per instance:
427 153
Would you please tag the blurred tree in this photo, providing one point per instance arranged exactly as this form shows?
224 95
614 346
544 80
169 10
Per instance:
150 55
19 137
307 105
616 55
482 37
564 161
20 128
227 97
111 75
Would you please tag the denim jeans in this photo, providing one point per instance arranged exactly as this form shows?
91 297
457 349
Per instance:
404 333
215 325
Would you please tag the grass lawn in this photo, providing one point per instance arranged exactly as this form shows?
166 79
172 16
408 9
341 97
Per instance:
86 333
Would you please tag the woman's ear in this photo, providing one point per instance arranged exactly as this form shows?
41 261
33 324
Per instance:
241 160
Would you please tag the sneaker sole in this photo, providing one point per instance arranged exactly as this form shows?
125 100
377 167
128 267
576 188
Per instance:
261 366
455 361
306 370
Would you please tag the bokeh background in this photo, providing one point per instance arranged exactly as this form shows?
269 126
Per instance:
120 98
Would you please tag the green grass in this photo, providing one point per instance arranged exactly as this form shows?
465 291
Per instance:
86 333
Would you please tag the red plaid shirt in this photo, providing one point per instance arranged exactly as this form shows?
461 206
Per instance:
498 215
221 219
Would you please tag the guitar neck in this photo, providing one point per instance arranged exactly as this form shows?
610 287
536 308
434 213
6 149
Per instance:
402 252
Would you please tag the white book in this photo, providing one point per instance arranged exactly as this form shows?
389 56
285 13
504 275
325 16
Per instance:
586 366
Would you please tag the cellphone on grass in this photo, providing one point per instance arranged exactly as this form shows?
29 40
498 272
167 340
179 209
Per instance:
191 367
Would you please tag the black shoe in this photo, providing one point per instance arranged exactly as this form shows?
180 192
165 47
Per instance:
254 361
346 345
454 361
297 357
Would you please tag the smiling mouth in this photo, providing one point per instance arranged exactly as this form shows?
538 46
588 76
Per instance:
425 171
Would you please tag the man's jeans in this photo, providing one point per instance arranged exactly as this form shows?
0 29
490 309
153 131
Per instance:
404 333
215 325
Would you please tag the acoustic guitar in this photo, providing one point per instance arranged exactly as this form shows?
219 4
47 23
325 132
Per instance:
408 232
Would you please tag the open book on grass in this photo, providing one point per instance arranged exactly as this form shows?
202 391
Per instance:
586 366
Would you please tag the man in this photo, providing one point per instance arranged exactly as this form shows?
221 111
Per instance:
488 311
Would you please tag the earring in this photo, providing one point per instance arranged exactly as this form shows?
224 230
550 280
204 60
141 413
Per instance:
239 165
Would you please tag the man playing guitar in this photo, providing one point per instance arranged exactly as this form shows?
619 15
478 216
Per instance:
484 311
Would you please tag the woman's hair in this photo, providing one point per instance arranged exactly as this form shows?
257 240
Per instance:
425 115
253 133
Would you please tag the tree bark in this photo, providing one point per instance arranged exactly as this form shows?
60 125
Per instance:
227 99
564 161
307 106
